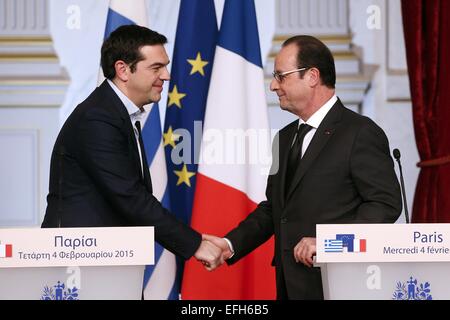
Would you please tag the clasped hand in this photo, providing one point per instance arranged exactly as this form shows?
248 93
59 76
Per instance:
213 252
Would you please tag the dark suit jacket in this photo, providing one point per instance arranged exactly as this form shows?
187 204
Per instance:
345 176
96 180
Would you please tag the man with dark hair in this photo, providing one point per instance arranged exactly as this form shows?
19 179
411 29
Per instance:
99 175
334 167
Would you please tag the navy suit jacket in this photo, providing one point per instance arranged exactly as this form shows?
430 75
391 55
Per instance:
96 179
345 176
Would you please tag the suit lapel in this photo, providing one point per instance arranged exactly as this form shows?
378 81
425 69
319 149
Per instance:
323 134
128 128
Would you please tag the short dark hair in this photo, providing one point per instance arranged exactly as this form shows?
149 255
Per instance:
314 53
124 44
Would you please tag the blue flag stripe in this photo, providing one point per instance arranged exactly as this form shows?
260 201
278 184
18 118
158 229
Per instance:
239 30
175 292
115 20
150 268
166 199
151 133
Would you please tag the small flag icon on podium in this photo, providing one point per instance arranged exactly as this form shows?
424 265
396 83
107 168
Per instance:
5 250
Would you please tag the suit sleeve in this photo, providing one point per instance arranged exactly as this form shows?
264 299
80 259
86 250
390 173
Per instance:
103 151
258 227
374 176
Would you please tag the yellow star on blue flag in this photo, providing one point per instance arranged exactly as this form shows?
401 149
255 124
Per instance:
175 97
197 65
184 175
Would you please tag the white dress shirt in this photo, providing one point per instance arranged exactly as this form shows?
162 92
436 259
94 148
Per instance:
314 121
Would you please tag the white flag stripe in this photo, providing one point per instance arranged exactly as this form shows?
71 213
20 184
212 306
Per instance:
2 251
244 85
133 10
356 245
158 163
334 241
163 277
157 170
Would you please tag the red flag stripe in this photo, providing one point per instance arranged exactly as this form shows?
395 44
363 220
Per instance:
8 251
250 278
362 245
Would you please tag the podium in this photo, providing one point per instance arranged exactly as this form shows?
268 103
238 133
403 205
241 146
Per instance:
384 261
74 263
105 283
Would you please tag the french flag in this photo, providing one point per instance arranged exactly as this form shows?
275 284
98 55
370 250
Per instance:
5 250
359 245
226 192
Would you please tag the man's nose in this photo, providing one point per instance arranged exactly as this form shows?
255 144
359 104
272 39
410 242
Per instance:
165 75
274 85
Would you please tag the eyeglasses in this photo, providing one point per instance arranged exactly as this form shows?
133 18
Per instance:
279 76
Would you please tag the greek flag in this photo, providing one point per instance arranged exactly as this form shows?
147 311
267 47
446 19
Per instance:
333 246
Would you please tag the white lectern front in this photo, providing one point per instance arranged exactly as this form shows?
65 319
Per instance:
384 261
74 263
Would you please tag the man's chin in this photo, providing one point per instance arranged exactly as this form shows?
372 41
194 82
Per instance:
284 107
155 98
288 108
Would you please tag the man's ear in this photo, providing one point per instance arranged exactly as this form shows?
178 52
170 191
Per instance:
314 77
122 70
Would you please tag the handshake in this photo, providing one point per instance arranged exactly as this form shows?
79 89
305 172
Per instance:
213 252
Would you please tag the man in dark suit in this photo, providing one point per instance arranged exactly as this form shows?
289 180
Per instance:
334 167
99 175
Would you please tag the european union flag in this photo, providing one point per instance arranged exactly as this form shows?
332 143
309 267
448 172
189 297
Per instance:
192 61
193 56
347 241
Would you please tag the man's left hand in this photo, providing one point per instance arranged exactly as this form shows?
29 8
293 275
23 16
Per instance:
305 250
